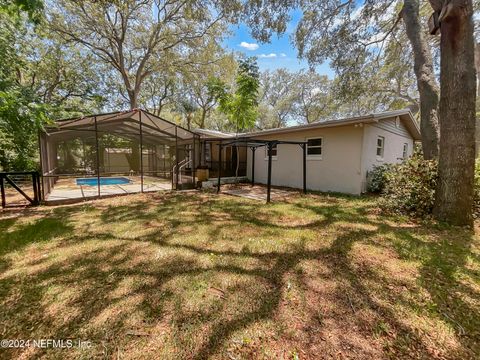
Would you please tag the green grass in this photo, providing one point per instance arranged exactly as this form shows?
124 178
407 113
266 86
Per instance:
199 276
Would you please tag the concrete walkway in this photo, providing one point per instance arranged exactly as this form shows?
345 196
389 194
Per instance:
258 192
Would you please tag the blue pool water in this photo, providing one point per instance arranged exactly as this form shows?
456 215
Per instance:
103 181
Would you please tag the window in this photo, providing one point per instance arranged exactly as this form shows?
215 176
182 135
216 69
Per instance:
380 146
208 152
314 147
274 151
405 151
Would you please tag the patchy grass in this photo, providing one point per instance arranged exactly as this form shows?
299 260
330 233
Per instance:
199 276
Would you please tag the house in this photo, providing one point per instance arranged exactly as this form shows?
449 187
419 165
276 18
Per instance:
152 153
339 153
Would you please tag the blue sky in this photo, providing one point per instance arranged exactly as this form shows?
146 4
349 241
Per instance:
279 53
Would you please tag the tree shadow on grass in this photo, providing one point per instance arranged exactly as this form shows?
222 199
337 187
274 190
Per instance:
332 213
100 292
446 263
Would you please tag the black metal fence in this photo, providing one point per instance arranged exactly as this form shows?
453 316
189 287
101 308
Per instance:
20 188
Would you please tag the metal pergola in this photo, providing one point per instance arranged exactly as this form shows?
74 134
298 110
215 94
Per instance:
253 144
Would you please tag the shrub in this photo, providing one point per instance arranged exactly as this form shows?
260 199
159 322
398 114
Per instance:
476 194
377 178
410 187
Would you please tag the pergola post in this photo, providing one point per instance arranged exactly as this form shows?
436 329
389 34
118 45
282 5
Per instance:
98 156
40 178
253 164
304 148
164 158
193 163
176 159
141 151
219 166
269 179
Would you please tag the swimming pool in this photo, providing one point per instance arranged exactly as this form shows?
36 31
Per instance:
103 181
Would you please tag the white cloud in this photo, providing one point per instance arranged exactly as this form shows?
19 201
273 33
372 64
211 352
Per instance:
271 55
283 55
248 46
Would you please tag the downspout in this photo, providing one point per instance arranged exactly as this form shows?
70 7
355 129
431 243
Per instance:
363 173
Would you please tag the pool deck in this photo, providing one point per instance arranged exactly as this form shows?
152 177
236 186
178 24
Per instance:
66 190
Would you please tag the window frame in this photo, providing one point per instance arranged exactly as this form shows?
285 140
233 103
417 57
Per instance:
380 157
207 155
405 151
315 156
274 148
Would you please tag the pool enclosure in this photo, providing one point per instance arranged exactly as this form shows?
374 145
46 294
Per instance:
116 153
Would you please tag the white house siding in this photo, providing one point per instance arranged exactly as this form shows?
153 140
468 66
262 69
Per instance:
394 137
339 170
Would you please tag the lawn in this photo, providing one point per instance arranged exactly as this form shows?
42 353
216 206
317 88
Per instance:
196 275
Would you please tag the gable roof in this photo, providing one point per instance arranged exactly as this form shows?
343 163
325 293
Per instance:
405 115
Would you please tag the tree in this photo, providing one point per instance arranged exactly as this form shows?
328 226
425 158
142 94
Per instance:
20 114
386 83
15 8
41 77
133 36
202 69
314 97
454 194
159 91
240 103
352 36
288 97
427 83
277 98
188 108
64 78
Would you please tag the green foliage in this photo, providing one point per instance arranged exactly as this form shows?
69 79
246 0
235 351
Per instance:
14 8
377 178
476 196
410 187
21 116
239 104
370 56
41 77
20 120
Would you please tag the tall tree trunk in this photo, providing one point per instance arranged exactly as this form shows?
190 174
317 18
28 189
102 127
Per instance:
454 194
133 97
202 121
477 120
477 66
426 82
133 158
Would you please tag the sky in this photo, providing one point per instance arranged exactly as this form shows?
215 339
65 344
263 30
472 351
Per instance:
279 53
